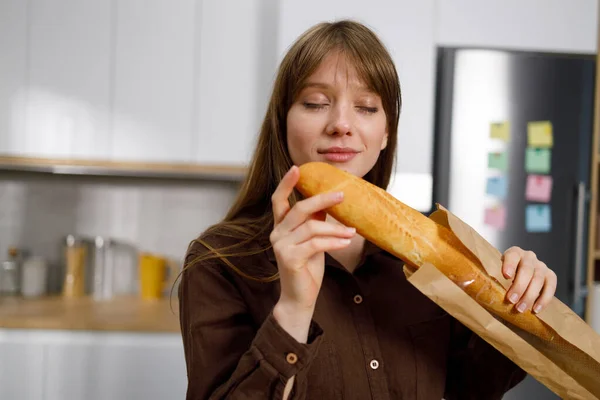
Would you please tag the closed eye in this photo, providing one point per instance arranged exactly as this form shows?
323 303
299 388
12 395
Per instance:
368 110
314 106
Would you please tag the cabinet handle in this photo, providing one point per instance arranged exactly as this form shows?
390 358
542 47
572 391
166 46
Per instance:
578 290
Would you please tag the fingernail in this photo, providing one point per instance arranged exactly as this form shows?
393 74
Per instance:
510 273
338 195
351 229
521 307
537 309
345 241
513 298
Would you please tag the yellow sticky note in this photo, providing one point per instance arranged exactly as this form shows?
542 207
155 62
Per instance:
500 130
539 134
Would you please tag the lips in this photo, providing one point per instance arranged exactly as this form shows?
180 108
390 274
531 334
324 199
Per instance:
337 149
339 154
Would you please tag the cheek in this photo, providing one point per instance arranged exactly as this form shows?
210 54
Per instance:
377 134
302 133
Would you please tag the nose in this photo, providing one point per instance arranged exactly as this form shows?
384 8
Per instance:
340 121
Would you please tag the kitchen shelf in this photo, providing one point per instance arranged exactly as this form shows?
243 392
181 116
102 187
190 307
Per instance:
124 314
122 168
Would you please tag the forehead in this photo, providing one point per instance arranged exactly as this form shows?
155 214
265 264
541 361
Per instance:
337 70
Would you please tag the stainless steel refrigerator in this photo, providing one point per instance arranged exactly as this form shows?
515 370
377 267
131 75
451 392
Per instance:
513 136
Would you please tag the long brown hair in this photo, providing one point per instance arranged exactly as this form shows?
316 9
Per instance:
250 219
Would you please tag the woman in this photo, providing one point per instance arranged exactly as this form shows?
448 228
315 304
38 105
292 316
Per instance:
281 301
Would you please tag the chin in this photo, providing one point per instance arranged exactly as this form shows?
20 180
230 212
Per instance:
347 167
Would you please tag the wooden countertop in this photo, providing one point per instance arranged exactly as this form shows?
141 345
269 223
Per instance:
124 314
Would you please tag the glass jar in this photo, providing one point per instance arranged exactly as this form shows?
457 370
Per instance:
76 253
10 274
34 274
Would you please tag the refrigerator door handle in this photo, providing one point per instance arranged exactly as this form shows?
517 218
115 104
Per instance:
579 290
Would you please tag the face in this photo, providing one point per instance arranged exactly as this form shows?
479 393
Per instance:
337 119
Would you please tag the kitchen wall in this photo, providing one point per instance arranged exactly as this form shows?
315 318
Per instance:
159 216
412 29
241 44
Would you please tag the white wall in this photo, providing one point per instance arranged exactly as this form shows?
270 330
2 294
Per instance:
412 30
37 213
539 25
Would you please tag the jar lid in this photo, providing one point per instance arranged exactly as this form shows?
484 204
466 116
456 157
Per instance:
72 240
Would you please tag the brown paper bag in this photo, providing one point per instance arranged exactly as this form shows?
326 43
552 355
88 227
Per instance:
570 369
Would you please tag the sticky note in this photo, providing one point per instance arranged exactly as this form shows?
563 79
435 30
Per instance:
498 161
538 218
495 217
497 186
538 188
537 161
539 134
500 130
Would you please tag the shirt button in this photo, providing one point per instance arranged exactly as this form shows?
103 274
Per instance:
291 358
358 299
374 364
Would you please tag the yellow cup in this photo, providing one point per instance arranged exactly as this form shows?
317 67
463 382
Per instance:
156 273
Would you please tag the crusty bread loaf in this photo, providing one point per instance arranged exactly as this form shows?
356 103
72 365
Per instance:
411 236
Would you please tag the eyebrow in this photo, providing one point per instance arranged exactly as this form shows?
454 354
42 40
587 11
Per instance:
322 85
318 85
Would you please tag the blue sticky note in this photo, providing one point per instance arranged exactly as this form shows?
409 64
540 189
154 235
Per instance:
497 186
538 218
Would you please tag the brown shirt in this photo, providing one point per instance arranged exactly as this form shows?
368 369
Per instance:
373 336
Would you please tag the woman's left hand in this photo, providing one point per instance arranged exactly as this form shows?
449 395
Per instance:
534 283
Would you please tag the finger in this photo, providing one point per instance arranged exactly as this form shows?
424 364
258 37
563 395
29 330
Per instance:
547 292
511 258
314 228
295 256
305 209
532 292
279 199
320 244
522 279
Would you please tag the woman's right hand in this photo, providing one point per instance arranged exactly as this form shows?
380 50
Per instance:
300 238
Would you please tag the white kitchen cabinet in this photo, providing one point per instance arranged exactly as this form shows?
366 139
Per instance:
69 365
21 366
99 366
153 80
13 73
68 93
236 68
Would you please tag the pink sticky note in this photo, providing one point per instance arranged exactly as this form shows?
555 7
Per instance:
495 217
539 188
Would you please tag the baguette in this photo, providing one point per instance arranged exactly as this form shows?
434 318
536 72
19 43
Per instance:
414 238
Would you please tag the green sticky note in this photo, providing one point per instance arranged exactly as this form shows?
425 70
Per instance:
498 161
538 160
